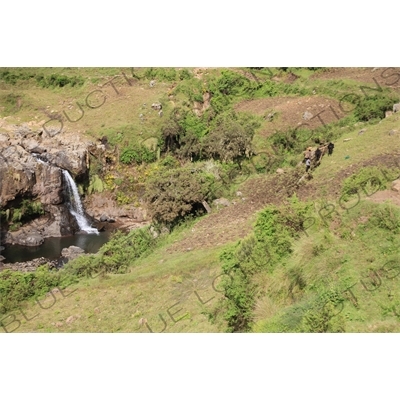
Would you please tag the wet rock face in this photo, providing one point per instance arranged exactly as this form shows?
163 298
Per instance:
21 174
49 185
17 173
30 163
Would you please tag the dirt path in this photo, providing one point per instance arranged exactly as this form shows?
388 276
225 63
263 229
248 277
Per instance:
235 221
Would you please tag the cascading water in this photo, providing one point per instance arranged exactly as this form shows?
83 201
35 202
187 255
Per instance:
76 208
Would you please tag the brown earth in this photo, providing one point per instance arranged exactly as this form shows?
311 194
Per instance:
235 221
289 112
385 76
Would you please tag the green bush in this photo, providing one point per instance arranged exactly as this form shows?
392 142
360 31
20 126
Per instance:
56 80
386 216
230 138
16 287
162 74
373 107
26 211
184 74
137 154
116 256
172 194
367 181
169 162
12 77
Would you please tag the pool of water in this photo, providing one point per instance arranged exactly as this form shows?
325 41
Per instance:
51 248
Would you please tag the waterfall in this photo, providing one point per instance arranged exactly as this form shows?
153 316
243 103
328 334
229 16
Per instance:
76 208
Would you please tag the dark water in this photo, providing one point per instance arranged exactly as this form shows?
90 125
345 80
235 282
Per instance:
51 248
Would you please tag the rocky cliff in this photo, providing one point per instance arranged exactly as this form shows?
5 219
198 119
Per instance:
30 168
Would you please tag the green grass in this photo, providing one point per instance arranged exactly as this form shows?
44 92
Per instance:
348 252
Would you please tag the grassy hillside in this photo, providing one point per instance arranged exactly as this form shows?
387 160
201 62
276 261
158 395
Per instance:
331 265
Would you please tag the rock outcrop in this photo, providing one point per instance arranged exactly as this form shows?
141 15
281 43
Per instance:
31 163
71 252
29 266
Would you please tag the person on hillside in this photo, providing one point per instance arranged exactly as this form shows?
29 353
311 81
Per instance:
307 154
330 148
318 153
308 164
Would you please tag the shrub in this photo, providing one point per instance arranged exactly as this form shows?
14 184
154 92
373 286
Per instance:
137 154
367 180
386 216
16 287
116 256
373 107
230 138
27 210
56 80
175 193
184 74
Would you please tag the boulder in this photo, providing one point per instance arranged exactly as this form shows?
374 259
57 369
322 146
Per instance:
29 266
222 202
71 252
396 185
156 106
307 115
396 107
29 239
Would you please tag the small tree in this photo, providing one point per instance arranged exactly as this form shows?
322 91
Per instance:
230 140
173 194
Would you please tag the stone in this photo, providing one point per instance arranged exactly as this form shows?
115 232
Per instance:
346 140
280 171
103 218
388 114
396 185
30 240
307 115
71 252
71 319
29 266
362 131
156 106
222 202
153 232
396 107
239 194
152 83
